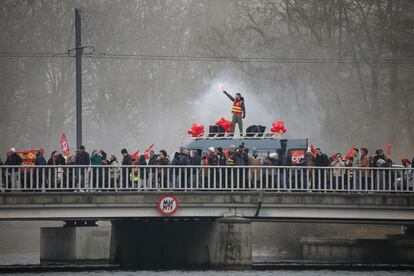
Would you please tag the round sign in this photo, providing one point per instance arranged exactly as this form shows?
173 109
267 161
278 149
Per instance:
167 205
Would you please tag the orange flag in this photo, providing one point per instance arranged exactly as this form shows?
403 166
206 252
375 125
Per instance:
349 153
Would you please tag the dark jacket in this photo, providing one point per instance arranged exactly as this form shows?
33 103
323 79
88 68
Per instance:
195 161
153 160
14 160
183 160
239 159
387 163
176 159
60 160
163 161
40 160
322 160
142 162
127 160
222 159
82 158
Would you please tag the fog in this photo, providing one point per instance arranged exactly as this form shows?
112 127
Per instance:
336 72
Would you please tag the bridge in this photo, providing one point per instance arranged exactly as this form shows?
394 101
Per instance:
217 203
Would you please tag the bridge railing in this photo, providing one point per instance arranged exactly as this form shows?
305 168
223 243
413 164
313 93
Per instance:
190 178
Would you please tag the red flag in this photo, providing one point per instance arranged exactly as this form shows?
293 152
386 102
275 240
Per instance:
313 150
147 150
349 153
64 144
135 155
388 149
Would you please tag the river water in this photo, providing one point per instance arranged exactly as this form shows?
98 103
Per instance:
19 247
229 273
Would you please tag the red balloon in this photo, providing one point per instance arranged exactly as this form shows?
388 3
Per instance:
278 127
196 130
225 124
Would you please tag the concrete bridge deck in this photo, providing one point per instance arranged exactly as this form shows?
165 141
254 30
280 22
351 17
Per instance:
207 204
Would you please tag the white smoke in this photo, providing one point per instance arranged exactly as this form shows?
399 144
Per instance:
214 104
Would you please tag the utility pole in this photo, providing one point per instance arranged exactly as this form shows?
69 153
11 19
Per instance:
77 52
78 49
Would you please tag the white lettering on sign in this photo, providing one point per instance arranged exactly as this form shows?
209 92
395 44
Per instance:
167 205
297 155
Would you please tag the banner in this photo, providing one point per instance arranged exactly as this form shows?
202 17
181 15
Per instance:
28 158
296 156
64 145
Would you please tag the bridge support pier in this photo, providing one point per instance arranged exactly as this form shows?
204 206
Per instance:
69 245
223 243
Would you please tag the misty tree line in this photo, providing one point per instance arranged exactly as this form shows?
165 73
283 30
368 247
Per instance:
306 74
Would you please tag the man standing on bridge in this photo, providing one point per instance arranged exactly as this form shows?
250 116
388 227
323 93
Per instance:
238 110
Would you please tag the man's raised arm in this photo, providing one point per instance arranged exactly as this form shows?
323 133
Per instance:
228 95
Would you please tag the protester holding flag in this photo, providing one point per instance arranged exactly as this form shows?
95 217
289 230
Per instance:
238 110
380 159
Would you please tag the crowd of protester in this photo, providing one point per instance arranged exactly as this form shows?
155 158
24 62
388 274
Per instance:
104 166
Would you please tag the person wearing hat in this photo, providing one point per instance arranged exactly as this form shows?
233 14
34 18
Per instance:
238 110
212 157
13 159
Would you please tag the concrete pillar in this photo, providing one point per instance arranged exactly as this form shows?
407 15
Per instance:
232 247
74 245
224 243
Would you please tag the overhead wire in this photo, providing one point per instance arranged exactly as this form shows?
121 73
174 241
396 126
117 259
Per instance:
205 58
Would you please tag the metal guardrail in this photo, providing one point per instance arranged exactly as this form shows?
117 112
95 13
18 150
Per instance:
216 178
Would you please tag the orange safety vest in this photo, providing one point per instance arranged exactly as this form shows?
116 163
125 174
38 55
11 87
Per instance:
236 109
